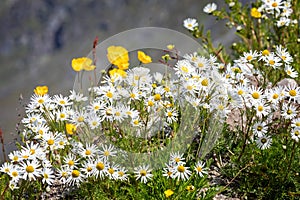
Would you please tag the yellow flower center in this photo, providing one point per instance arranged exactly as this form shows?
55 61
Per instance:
106 153
289 112
89 168
15 158
100 166
255 95
64 174
259 128
263 140
265 52
283 57
71 163
297 133
118 114
199 169
46 176
181 168
169 114
41 132
240 92
50 142
293 93
132 95
41 101
88 152
260 108
80 119
189 87
150 103
96 107
14 173
271 62
75 173
32 151
167 89
121 173
62 102
169 173
111 170
274 4
109 94
249 57
297 123
62 115
275 96
204 82
200 64
136 122
143 172
29 169
157 97
185 69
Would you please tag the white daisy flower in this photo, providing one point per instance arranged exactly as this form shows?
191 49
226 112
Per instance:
143 173
209 8
30 169
200 168
181 172
190 23
264 142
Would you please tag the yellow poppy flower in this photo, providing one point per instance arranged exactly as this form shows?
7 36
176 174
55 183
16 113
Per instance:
255 13
168 193
118 55
70 128
41 90
82 63
144 58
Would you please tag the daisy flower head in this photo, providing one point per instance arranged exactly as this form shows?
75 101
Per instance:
295 134
88 167
184 68
77 97
290 71
143 173
288 111
209 8
48 176
89 151
112 171
255 95
61 100
176 158
292 92
260 128
296 123
75 178
6 167
168 171
284 54
190 23
107 151
100 168
273 61
122 175
70 161
63 174
15 173
181 172
30 169
262 110
263 142
274 95
200 168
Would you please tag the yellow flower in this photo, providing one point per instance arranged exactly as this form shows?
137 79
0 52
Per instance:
144 58
171 46
70 128
255 13
168 193
190 188
82 63
118 56
41 90
117 72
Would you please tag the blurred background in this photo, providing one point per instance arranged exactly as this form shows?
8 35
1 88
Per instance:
38 40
